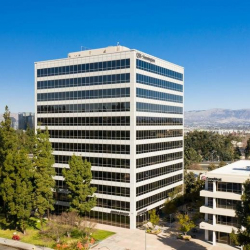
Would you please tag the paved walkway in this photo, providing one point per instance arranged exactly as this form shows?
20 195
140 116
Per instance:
14 245
126 239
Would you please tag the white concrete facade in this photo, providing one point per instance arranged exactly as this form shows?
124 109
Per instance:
223 188
51 119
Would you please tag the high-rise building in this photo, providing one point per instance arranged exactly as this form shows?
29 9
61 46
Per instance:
122 110
25 120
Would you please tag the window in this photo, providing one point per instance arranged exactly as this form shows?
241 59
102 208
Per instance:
82 68
158 83
82 108
158 70
156 108
229 187
89 94
152 134
84 81
150 94
148 161
157 121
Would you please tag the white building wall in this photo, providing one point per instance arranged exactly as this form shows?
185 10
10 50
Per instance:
81 58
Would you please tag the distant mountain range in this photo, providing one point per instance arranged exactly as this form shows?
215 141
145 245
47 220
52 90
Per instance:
223 118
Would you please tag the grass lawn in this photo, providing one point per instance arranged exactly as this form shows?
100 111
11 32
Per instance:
101 234
33 237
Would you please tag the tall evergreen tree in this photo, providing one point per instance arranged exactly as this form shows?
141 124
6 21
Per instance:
16 188
30 133
247 149
8 137
78 178
8 145
242 214
44 183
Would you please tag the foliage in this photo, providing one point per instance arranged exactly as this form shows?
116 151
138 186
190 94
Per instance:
43 181
242 214
72 225
34 237
186 224
189 181
77 179
26 139
211 167
234 238
15 177
195 166
154 218
54 229
170 207
247 149
237 153
8 145
192 184
177 190
222 164
17 189
191 157
208 146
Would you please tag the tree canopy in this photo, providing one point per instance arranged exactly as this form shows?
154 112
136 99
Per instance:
77 179
43 173
209 146
243 215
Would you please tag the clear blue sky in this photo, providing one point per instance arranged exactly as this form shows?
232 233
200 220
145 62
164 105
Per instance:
210 38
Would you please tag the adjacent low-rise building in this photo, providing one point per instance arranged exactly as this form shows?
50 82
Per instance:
223 189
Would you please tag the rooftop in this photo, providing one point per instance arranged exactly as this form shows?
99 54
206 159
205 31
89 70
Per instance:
237 168
94 52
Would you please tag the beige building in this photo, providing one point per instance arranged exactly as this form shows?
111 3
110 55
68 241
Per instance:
223 189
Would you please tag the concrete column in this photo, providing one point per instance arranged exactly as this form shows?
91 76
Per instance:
206 235
206 184
214 186
206 217
206 201
133 143
214 219
214 203
214 238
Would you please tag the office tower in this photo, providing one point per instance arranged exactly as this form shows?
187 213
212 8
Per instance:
25 120
122 110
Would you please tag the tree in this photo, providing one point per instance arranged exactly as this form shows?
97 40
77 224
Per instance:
170 207
8 145
211 167
222 164
44 183
234 238
242 214
77 179
191 157
186 224
189 181
237 153
26 139
177 191
16 188
205 142
154 218
247 149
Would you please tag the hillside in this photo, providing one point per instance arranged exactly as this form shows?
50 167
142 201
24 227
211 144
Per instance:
224 118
